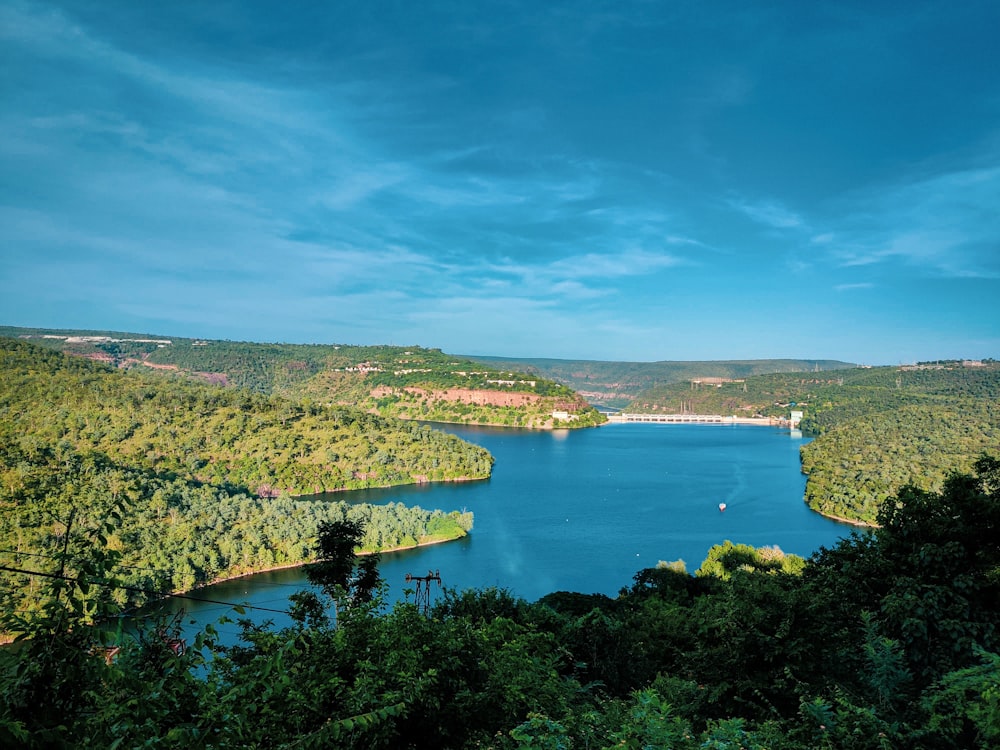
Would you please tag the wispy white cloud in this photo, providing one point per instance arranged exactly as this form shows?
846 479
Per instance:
465 192
629 262
769 213
853 287
570 290
350 189
587 275
944 225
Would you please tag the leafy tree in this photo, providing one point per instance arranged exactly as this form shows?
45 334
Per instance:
964 706
337 570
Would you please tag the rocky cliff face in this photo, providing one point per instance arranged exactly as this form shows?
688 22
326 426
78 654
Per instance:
482 397
476 396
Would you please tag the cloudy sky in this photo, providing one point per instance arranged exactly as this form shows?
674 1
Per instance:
602 180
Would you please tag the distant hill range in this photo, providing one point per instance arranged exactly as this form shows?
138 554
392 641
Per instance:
393 381
618 384
402 381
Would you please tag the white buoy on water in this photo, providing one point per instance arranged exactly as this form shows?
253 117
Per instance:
722 507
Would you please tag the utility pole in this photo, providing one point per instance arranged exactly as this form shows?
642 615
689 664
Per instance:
422 593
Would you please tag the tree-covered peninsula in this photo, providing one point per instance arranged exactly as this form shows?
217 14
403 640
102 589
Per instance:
266 444
209 475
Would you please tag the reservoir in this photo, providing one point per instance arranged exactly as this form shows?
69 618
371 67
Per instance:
584 510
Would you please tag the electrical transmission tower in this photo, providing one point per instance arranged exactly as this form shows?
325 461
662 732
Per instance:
422 592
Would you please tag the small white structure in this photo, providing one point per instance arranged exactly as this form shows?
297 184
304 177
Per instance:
795 418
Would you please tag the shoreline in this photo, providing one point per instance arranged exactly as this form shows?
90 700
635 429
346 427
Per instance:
416 483
849 521
286 566
533 427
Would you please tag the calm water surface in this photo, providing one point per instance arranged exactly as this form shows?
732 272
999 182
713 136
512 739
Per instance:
584 510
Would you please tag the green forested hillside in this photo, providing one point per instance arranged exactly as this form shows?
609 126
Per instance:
207 473
394 381
890 639
759 395
864 391
265 445
854 467
883 428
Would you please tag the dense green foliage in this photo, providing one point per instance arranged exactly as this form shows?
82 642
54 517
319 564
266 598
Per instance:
620 383
219 435
855 467
207 473
886 388
884 428
178 533
877 429
888 640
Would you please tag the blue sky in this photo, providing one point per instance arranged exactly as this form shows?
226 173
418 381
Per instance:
599 180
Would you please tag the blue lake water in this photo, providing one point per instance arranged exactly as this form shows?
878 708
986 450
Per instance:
584 510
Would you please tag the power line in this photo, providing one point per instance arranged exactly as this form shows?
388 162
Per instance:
166 573
140 590
158 571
